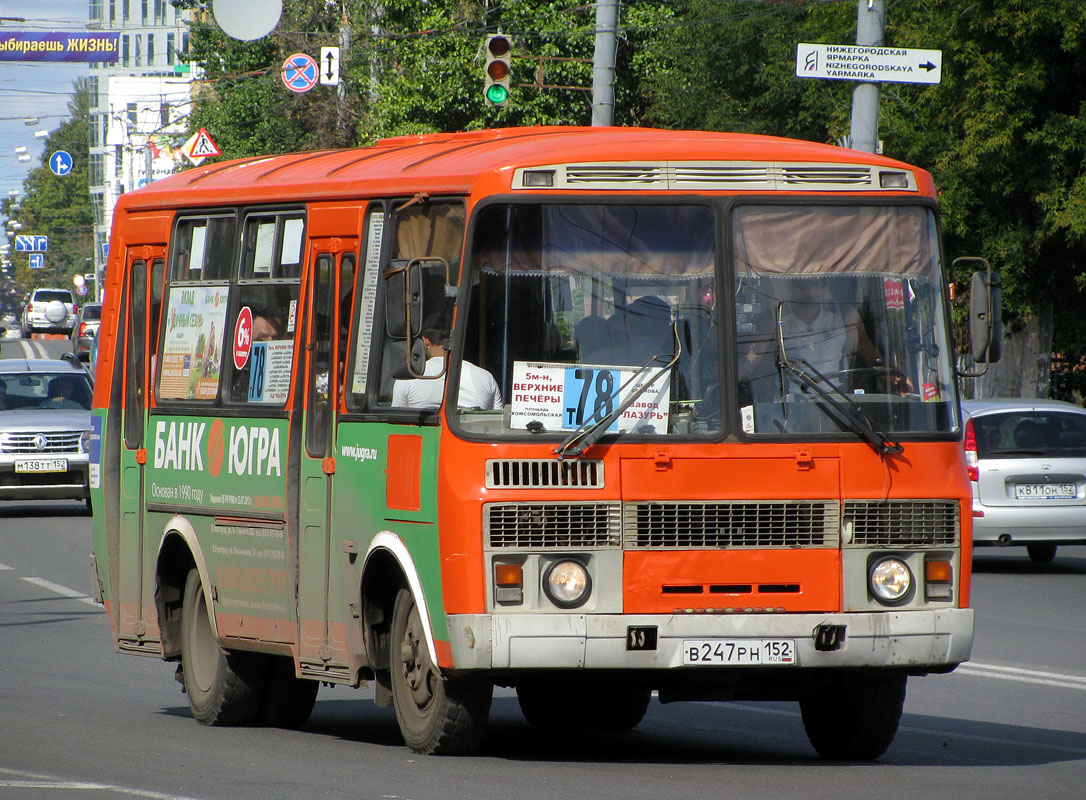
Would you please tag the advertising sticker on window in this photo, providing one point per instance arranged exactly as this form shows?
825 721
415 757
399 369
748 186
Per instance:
192 346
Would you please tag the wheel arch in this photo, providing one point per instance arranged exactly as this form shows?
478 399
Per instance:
178 552
388 566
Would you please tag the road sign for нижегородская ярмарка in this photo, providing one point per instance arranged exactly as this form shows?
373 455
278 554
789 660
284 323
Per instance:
868 63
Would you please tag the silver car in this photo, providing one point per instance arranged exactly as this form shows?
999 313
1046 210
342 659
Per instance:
1027 464
45 423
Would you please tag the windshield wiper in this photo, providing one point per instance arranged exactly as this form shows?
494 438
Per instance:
847 410
589 431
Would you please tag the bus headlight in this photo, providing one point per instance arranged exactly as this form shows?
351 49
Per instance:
890 581
567 583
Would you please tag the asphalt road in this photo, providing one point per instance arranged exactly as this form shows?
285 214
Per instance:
78 721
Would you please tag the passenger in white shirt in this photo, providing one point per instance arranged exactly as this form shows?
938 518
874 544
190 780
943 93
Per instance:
478 389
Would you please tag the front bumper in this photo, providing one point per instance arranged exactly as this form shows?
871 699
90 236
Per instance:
70 485
915 640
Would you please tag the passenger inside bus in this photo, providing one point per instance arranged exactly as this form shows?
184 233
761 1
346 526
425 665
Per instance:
267 325
478 389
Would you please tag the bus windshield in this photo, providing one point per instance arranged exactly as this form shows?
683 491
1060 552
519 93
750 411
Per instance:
577 307
610 315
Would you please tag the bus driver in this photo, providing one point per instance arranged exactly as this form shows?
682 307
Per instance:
478 389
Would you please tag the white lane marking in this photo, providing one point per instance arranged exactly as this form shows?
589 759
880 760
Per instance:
30 780
1033 676
61 590
5 566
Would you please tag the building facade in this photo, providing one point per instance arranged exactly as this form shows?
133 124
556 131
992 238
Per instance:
142 102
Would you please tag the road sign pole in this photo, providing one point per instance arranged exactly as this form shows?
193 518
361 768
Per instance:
870 23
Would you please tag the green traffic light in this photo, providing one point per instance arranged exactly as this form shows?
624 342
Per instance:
497 94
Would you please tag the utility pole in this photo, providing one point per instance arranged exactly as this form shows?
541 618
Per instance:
603 63
870 24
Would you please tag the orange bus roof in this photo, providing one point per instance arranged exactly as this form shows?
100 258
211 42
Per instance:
452 163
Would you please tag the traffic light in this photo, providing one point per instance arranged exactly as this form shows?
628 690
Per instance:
498 57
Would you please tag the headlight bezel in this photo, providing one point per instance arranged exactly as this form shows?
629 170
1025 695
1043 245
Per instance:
553 597
876 588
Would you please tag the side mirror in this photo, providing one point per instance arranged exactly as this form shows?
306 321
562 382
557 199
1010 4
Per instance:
985 316
403 299
407 361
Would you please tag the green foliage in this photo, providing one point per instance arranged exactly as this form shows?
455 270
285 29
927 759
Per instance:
59 207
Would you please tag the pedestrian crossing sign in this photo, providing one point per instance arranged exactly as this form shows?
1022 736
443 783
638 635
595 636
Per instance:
200 146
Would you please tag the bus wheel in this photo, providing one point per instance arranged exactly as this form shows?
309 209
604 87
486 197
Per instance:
619 709
437 715
853 716
588 706
288 700
224 688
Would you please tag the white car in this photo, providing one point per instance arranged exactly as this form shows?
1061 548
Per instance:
1027 464
49 311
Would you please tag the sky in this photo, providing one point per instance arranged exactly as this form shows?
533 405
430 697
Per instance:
34 89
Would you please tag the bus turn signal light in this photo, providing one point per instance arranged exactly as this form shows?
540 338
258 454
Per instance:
938 580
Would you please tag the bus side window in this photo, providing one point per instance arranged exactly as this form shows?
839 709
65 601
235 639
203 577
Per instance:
135 345
270 310
346 314
158 281
319 417
432 230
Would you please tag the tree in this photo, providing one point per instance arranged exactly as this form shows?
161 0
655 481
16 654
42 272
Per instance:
1004 134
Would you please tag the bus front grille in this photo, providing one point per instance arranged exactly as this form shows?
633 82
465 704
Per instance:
544 473
731 524
900 523
552 525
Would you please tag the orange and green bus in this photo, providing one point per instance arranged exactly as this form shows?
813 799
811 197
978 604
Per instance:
705 441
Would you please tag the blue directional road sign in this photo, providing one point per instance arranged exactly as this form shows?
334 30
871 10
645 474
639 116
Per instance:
61 162
28 243
37 261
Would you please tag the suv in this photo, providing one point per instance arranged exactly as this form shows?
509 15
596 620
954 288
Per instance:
49 311
45 425
86 328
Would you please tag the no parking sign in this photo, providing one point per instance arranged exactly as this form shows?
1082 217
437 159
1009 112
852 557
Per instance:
300 73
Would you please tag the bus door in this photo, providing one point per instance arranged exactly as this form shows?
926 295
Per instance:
321 634
135 593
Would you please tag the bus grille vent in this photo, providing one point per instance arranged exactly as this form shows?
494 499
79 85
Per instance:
729 525
687 176
646 176
898 523
545 525
542 473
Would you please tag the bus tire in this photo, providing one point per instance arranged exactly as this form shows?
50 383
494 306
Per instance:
853 716
223 687
585 706
437 715
620 708
288 700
